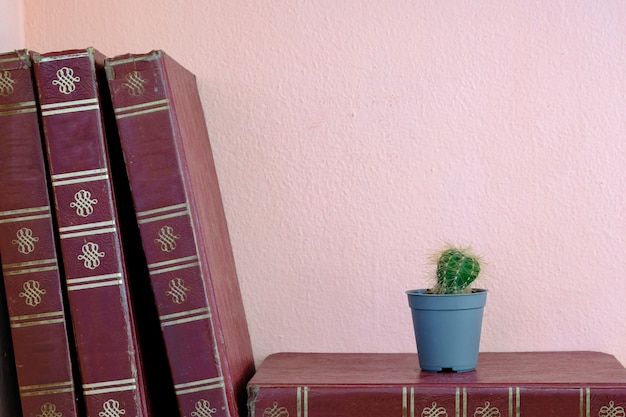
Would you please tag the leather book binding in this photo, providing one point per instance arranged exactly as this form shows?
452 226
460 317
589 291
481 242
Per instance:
9 395
31 270
75 131
183 227
520 384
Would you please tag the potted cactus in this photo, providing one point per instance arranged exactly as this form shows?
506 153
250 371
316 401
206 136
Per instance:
447 318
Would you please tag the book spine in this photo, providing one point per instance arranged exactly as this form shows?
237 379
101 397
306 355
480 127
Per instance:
91 248
438 401
166 213
28 248
9 395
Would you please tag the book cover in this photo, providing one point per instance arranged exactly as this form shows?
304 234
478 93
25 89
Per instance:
32 277
185 237
9 395
75 115
531 384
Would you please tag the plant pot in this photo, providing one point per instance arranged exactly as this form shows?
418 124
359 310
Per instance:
447 329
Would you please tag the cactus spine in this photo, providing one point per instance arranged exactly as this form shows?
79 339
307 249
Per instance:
457 268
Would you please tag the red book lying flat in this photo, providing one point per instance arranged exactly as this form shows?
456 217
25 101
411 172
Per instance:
28 248
183 227
551 384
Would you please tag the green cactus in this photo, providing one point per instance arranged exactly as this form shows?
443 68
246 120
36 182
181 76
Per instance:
457 268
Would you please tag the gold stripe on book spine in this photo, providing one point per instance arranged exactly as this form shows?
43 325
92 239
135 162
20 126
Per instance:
198 386
69 107
18 108
185 316
47 389
25 214
174 268
110 386
408 402
96 281
167 212
53 317
460 402
514 406
302 402
87 229
39 265
143 108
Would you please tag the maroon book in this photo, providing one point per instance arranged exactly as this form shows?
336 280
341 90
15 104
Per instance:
41 342
97 278
185 237
9 395
554 384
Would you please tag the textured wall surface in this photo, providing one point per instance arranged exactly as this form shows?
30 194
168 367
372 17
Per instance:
11 25
353 137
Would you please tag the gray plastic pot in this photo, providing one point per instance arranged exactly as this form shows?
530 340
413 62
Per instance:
447 329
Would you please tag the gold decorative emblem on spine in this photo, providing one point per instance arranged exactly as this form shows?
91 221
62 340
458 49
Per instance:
32 293
111 408
25 241
6 83
167 239
66 81
203 409
434 411
612 411
275 411
49 410
487 411
177 291
134 83
83 203
91 255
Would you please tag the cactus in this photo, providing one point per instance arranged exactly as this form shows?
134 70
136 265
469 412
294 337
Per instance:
457 268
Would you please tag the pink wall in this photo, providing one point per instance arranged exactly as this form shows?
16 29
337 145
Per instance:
352 137
11 25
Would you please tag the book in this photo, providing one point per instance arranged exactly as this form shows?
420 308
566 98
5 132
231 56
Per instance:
179 210
513 384
31 270
102 290
9 394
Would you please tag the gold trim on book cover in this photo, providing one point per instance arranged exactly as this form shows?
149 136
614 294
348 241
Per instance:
110 386
514 402
88 229
198 386
25 267
79 177
46 389
460 402
54 317
176 210
185 316
18 108
143 108
585 402
25 214
70 106
302 402
184 263
19 104
408 402
96 281
11 59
